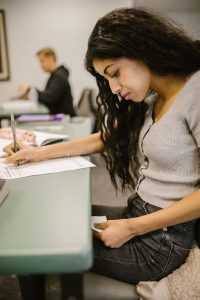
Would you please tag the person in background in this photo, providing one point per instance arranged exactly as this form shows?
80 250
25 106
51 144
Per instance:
57 94
148 74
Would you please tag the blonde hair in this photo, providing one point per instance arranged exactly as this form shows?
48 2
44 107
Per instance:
47 52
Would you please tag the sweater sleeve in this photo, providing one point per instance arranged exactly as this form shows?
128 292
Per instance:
192 113
54 91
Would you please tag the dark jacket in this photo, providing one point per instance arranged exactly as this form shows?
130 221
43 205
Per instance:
57 94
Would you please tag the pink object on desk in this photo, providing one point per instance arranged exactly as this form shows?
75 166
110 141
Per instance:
22 135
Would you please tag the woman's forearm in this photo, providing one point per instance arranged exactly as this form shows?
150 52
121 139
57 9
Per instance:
184 210
87 145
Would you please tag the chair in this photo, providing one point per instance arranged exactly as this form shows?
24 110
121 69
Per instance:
96 287
87 106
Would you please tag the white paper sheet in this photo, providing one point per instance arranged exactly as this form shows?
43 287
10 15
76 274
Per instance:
97 219
45 167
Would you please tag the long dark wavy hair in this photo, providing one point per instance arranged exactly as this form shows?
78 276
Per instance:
134 34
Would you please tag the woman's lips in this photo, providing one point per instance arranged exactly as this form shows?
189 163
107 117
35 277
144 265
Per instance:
127 96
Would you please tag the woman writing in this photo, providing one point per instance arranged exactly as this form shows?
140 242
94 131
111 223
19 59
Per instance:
147 72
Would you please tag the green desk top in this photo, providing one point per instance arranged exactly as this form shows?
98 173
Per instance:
45 224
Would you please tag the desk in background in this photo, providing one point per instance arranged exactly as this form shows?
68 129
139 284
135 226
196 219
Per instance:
75 127
23 108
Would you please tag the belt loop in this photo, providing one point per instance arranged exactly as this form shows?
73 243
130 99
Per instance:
145 209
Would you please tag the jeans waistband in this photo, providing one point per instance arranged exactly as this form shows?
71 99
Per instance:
135 201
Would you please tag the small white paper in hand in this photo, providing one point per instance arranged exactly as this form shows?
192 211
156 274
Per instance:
98 219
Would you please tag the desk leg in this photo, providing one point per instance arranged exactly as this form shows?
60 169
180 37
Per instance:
32 287
72 286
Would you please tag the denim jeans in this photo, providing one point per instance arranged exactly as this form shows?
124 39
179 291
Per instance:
150 256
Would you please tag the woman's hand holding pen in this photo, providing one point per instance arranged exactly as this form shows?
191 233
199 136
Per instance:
115 233
23 155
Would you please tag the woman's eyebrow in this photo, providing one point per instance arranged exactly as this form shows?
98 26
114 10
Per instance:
106 69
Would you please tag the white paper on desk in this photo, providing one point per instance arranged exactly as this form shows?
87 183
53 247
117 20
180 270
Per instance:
45 167
98 219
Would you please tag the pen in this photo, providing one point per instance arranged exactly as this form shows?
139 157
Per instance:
16 148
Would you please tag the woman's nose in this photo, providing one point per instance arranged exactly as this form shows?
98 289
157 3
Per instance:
115 87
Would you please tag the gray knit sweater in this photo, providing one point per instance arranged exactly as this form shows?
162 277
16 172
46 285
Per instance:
170 163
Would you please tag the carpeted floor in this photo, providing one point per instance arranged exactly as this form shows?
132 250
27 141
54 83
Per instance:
9 289
102 193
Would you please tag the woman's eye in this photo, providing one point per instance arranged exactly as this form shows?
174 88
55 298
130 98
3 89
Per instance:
114 75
